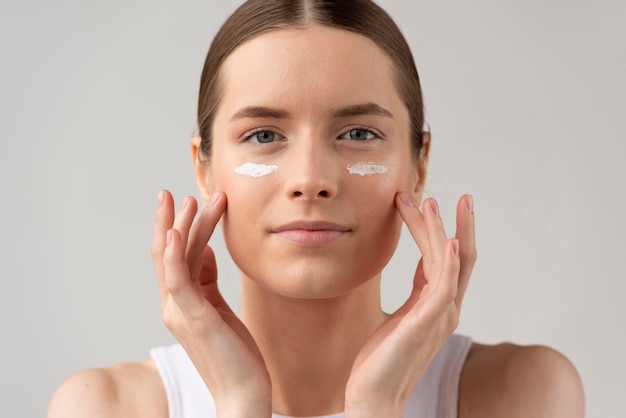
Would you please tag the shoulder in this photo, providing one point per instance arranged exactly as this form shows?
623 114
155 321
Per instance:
122 390
519 381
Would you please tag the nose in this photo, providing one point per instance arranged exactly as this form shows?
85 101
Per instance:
312 171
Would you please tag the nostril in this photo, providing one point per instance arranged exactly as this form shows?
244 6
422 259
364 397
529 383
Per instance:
321 194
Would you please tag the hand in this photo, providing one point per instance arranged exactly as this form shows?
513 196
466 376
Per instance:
389 365
194 311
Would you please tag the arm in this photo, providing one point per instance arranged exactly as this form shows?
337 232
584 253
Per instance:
89 393
517 381
123 390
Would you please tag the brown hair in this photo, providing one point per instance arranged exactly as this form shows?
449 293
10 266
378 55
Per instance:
363 17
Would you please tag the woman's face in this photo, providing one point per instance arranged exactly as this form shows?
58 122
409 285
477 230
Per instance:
310 146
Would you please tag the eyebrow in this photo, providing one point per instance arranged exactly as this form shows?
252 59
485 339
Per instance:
344 112
362 109
261 112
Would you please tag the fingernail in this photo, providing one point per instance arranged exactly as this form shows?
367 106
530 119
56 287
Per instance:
168 238
160 199
469 202
456 247
406 199
434 207
214 197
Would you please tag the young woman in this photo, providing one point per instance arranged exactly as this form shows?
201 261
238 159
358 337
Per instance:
311 152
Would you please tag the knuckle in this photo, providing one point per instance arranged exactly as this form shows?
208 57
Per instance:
473 255
172 257
469 257
173 286
156 253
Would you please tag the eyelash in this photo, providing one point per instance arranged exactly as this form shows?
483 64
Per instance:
247 137
375 134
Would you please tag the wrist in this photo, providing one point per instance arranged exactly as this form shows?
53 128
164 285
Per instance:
244 405
244 409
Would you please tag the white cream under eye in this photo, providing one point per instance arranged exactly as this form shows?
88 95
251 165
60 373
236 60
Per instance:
255 170
366 168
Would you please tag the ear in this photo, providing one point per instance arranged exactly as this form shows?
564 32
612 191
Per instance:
421 168
202 168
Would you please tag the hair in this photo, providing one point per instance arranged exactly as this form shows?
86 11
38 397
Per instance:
364 17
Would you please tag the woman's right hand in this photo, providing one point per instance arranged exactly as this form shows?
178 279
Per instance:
194 311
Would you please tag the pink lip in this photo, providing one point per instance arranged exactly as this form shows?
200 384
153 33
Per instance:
311 233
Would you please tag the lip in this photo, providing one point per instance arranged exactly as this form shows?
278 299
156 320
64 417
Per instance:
311 233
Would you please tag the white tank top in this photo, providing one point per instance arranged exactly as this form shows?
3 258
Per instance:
435 395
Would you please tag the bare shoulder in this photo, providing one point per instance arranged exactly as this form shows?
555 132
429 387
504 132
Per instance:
519 381
122 390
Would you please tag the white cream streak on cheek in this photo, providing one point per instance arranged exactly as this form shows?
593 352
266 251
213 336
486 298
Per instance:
255 170
366 169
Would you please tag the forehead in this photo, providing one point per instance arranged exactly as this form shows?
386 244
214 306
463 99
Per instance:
313 66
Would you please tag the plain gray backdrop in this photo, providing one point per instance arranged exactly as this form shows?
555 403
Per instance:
526 101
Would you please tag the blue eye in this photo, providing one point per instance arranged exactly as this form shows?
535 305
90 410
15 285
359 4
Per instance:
261 136
360 134
264 136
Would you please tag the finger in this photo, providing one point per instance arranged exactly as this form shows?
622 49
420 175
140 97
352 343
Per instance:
207 279
448 283
177 282
202 231
163 221
436 239
414 220
439 303
184 219
419 281
465 233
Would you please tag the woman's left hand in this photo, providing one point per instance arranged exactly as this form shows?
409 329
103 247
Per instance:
391 362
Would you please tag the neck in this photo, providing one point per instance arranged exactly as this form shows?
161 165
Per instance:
309 345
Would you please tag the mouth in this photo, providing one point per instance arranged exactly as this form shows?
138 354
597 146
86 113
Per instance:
311 233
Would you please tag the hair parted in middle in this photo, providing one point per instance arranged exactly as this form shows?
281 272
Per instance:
363 17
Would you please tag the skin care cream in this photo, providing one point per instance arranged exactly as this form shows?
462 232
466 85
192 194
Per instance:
255 170
366 169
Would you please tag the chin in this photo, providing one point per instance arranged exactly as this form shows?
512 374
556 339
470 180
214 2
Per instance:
313 279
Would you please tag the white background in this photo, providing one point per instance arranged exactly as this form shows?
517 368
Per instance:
97 101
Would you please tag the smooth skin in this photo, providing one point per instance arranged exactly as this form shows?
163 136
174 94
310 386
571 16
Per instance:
358 359
502 380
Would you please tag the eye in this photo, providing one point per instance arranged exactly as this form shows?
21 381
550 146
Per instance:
361 134
262 136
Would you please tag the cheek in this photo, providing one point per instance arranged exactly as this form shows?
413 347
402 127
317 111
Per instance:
376 196
380 180
373 198
379 221
247 195
238 179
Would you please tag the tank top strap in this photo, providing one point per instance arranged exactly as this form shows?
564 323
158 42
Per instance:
436 393
187 395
